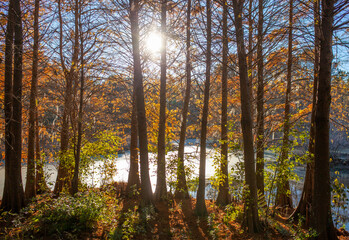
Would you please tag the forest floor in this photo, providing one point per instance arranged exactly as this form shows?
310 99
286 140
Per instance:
99 215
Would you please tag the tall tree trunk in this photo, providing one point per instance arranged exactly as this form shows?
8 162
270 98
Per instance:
30 187
283 198
133 182
182 188
200 208
13 197
17 103
6 198
250 53
75 181
321 216
251 208
146 191
305 202
63 180
223 193
260 102
161 191
40 181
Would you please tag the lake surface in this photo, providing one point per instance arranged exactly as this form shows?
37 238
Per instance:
95 176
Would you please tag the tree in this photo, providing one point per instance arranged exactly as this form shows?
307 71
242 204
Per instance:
200 208
283 198
251 208
223 194
182 188
250 52
30 187
146 192
40 181
77 149
321 216
260 102
13 197
63 180
161 191
305 203
133 175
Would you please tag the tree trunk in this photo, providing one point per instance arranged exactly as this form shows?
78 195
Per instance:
6 200
251 209
182 188
133 182
200 208
250 54
283 198
63 180
305 202
321 217
223 193
41 185
146 191
75 181
260 102
30 187
13 197
161 191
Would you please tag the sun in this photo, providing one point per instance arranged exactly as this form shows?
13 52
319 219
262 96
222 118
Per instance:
154 42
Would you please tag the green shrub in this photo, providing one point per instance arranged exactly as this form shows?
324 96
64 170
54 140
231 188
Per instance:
232 212
130 226
71 214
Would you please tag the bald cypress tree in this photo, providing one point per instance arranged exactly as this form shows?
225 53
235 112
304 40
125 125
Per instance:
251 209
223 193
321 218
30 187
13 196
161 191
200 208
182 187
146 191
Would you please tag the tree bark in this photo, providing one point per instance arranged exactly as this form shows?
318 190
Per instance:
251 219
13 197
161 191
283 198
146 191
305 203
133 182
223 197
75 181
260 102
321 218
41 185
200 208
250 54
63 180
182 188
6 200
30 188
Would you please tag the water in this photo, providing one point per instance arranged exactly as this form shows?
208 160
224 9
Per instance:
95 176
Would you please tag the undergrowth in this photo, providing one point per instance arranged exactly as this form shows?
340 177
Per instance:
65 217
